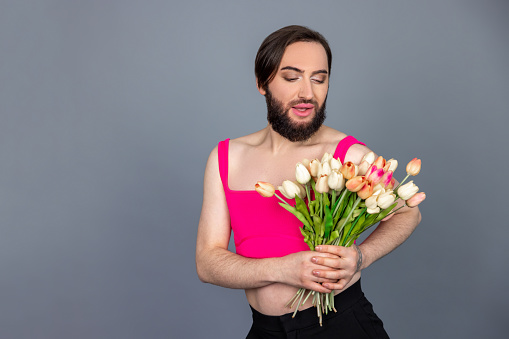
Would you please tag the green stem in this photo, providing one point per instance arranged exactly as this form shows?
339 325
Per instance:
283 200
401 183
339 202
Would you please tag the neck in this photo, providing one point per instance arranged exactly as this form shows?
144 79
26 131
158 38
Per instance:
277 143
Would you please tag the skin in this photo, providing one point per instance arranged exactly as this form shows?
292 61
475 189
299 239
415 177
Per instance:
266 156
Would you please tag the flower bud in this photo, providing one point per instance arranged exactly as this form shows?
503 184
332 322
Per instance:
325 169
322 185
314 167
265 189
348 170
386 199
366 191
355 184
363 167
416 199
335 164
391 165
373 210
290 189
414 166
336 181
391 184
407 190
369 157
386 179
376 176
326 158
379 162
306 163
371 201
302 174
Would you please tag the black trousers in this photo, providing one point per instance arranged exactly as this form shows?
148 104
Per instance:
354 319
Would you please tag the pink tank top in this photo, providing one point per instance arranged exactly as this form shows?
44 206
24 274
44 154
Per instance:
262 228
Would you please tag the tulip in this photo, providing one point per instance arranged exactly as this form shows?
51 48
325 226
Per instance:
386 179
376 176
302 174
363 167
326 158
335 164
391 165
391 184
369 158
336 181
413 167
306 163
416 199
322 184
407 190
355 184
290 189
348 170
386 199
371 201
314 167
379 187
325 169
366 191
373 210
379 162
265 189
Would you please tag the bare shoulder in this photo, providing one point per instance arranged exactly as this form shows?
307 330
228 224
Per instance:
355 152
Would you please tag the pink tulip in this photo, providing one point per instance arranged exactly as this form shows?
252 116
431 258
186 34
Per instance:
265 189
414 166
386 179
376 176
379 162
416 199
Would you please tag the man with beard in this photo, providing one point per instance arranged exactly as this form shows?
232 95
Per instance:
272 261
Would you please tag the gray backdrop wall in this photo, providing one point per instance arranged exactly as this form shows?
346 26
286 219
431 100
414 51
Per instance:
109 109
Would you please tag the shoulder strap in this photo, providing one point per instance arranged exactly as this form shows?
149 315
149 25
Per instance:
343 147
222 155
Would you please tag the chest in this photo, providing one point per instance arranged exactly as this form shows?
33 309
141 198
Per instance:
246 167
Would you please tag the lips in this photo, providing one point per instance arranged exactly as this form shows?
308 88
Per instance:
303 110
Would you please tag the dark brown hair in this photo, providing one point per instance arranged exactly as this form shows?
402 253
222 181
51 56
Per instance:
273 47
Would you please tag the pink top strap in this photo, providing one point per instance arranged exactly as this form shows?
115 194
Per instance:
222 155
343 147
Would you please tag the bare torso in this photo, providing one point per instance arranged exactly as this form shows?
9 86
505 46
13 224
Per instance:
253 158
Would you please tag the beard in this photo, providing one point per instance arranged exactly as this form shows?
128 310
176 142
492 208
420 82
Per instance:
280 120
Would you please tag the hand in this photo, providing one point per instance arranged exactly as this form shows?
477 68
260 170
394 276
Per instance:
340 266
297 270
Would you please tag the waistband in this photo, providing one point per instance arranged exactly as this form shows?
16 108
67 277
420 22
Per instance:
308 317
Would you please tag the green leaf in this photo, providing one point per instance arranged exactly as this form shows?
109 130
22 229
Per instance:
328 222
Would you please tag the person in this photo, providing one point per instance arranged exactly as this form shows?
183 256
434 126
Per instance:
272 262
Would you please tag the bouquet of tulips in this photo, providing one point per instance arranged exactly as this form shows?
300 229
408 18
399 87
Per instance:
337 202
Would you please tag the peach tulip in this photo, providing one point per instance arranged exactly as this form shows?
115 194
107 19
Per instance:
416 199
355 184
366 191
265 189
348 170
413 167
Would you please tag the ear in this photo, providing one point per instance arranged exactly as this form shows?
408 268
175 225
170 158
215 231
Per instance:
261 90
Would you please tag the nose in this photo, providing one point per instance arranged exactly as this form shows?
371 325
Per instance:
306 90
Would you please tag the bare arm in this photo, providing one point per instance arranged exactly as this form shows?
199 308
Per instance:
217 265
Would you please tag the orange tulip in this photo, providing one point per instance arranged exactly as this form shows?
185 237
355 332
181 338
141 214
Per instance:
414 166
355 184
348 170
366 191
265 189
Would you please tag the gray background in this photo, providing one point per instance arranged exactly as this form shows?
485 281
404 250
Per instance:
109 110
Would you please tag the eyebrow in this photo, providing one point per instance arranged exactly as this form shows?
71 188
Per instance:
321 71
